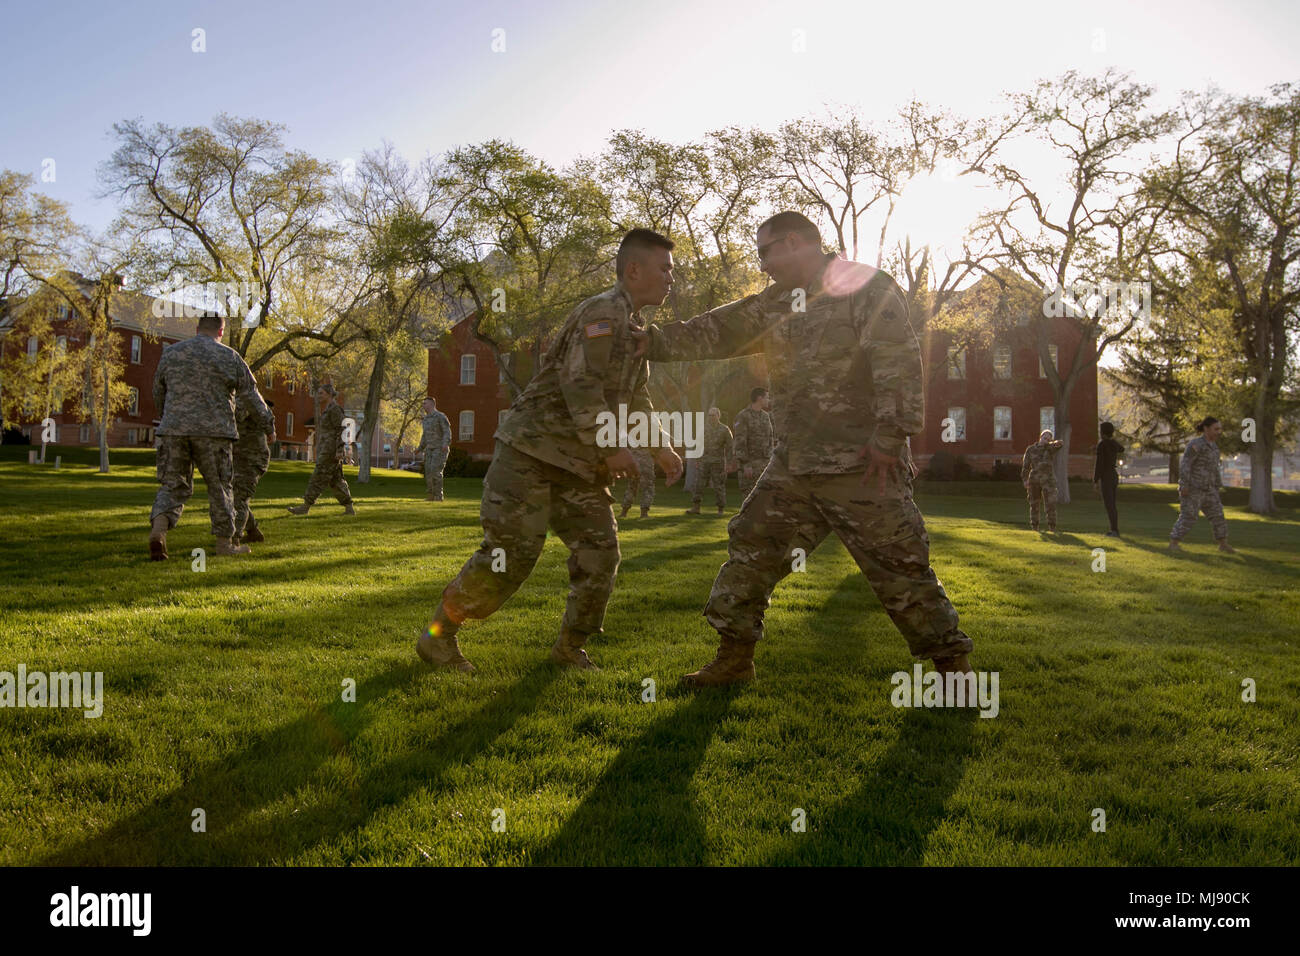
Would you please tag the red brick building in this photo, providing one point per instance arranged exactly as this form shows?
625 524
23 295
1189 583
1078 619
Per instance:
466 381
144 330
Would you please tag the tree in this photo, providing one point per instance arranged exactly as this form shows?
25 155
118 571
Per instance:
1233 188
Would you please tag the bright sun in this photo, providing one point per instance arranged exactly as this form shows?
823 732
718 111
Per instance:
936 210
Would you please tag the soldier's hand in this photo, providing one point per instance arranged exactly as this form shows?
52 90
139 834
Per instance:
671 463
272 438
621 464
642 341
880 467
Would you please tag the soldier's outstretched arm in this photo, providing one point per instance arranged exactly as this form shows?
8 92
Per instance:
247 395
895 355
725 332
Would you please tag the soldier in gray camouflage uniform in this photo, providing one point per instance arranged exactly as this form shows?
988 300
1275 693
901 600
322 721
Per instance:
252 456
1199 481
1038 473
642 480
435 438
195 389
554 462
845 368
719 446
753 433
328 472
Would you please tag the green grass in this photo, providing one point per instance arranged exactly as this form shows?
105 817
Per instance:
1119 690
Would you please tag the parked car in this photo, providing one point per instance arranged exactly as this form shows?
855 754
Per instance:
416 465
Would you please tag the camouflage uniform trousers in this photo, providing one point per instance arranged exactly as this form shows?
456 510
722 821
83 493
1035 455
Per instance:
1190 507
1047 492
522 497
747 484
643 481
177 456
328 474
713 474
250 464
435 460
885 535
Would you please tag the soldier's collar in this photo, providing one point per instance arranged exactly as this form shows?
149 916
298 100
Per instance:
627 299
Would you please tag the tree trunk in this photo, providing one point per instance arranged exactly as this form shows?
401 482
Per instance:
1174 463
1063 428
103 426
1261 474
371 423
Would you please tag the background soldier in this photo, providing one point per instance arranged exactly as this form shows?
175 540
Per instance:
195 389
718 449
1038 472
434 441
252 456
845 368
329 456
1199 481
548 469
641 480
753 434
1105 474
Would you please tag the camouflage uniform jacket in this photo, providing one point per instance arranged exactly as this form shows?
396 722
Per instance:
196 386
845 370
254 428
753 436
1038 463
329 433
1199 468
436 435
589 369
719 447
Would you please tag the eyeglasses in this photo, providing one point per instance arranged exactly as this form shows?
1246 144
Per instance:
763 249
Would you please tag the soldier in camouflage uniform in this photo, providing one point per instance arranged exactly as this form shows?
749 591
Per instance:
641 480
1038 473
719 446
252 456
195 388
555 458
1199 481
328 472
845 368
753 432
435 438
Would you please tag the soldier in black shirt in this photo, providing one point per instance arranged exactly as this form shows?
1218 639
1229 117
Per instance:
1106 474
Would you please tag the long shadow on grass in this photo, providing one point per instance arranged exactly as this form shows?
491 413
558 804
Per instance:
235 791
641 812
888 821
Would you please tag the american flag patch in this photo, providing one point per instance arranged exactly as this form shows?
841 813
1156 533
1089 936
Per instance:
596 329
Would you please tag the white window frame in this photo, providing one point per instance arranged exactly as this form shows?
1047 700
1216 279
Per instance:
33 346
137 348
1046 413
83 434
956 363
958 415
997 351
1007 409
465 434
469 369
1054 353
133 406
288 423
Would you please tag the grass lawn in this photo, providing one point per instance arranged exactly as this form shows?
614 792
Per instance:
223 691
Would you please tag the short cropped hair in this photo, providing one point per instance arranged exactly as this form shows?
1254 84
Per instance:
1107 429
1206 423
636 242
787 222
327 387
756 393
210 322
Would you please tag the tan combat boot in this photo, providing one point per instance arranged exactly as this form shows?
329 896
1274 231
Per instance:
442 651
1174 545
348 509
693 511
254 534
301 509
568 651
645 512
623 513
226 546
734 664
1225 547
956 664
158 539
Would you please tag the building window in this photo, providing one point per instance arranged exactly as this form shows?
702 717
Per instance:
288 423
956 362
1042 372
291 386
61 343
958 416
1002 361
1002 423
468 369
466 425
32 345
64 312
135 350
1047 419
133 406
130 436
83 434
269 379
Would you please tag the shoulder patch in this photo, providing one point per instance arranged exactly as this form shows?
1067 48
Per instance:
595 330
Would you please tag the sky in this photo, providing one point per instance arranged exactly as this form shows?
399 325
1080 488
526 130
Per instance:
557 77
